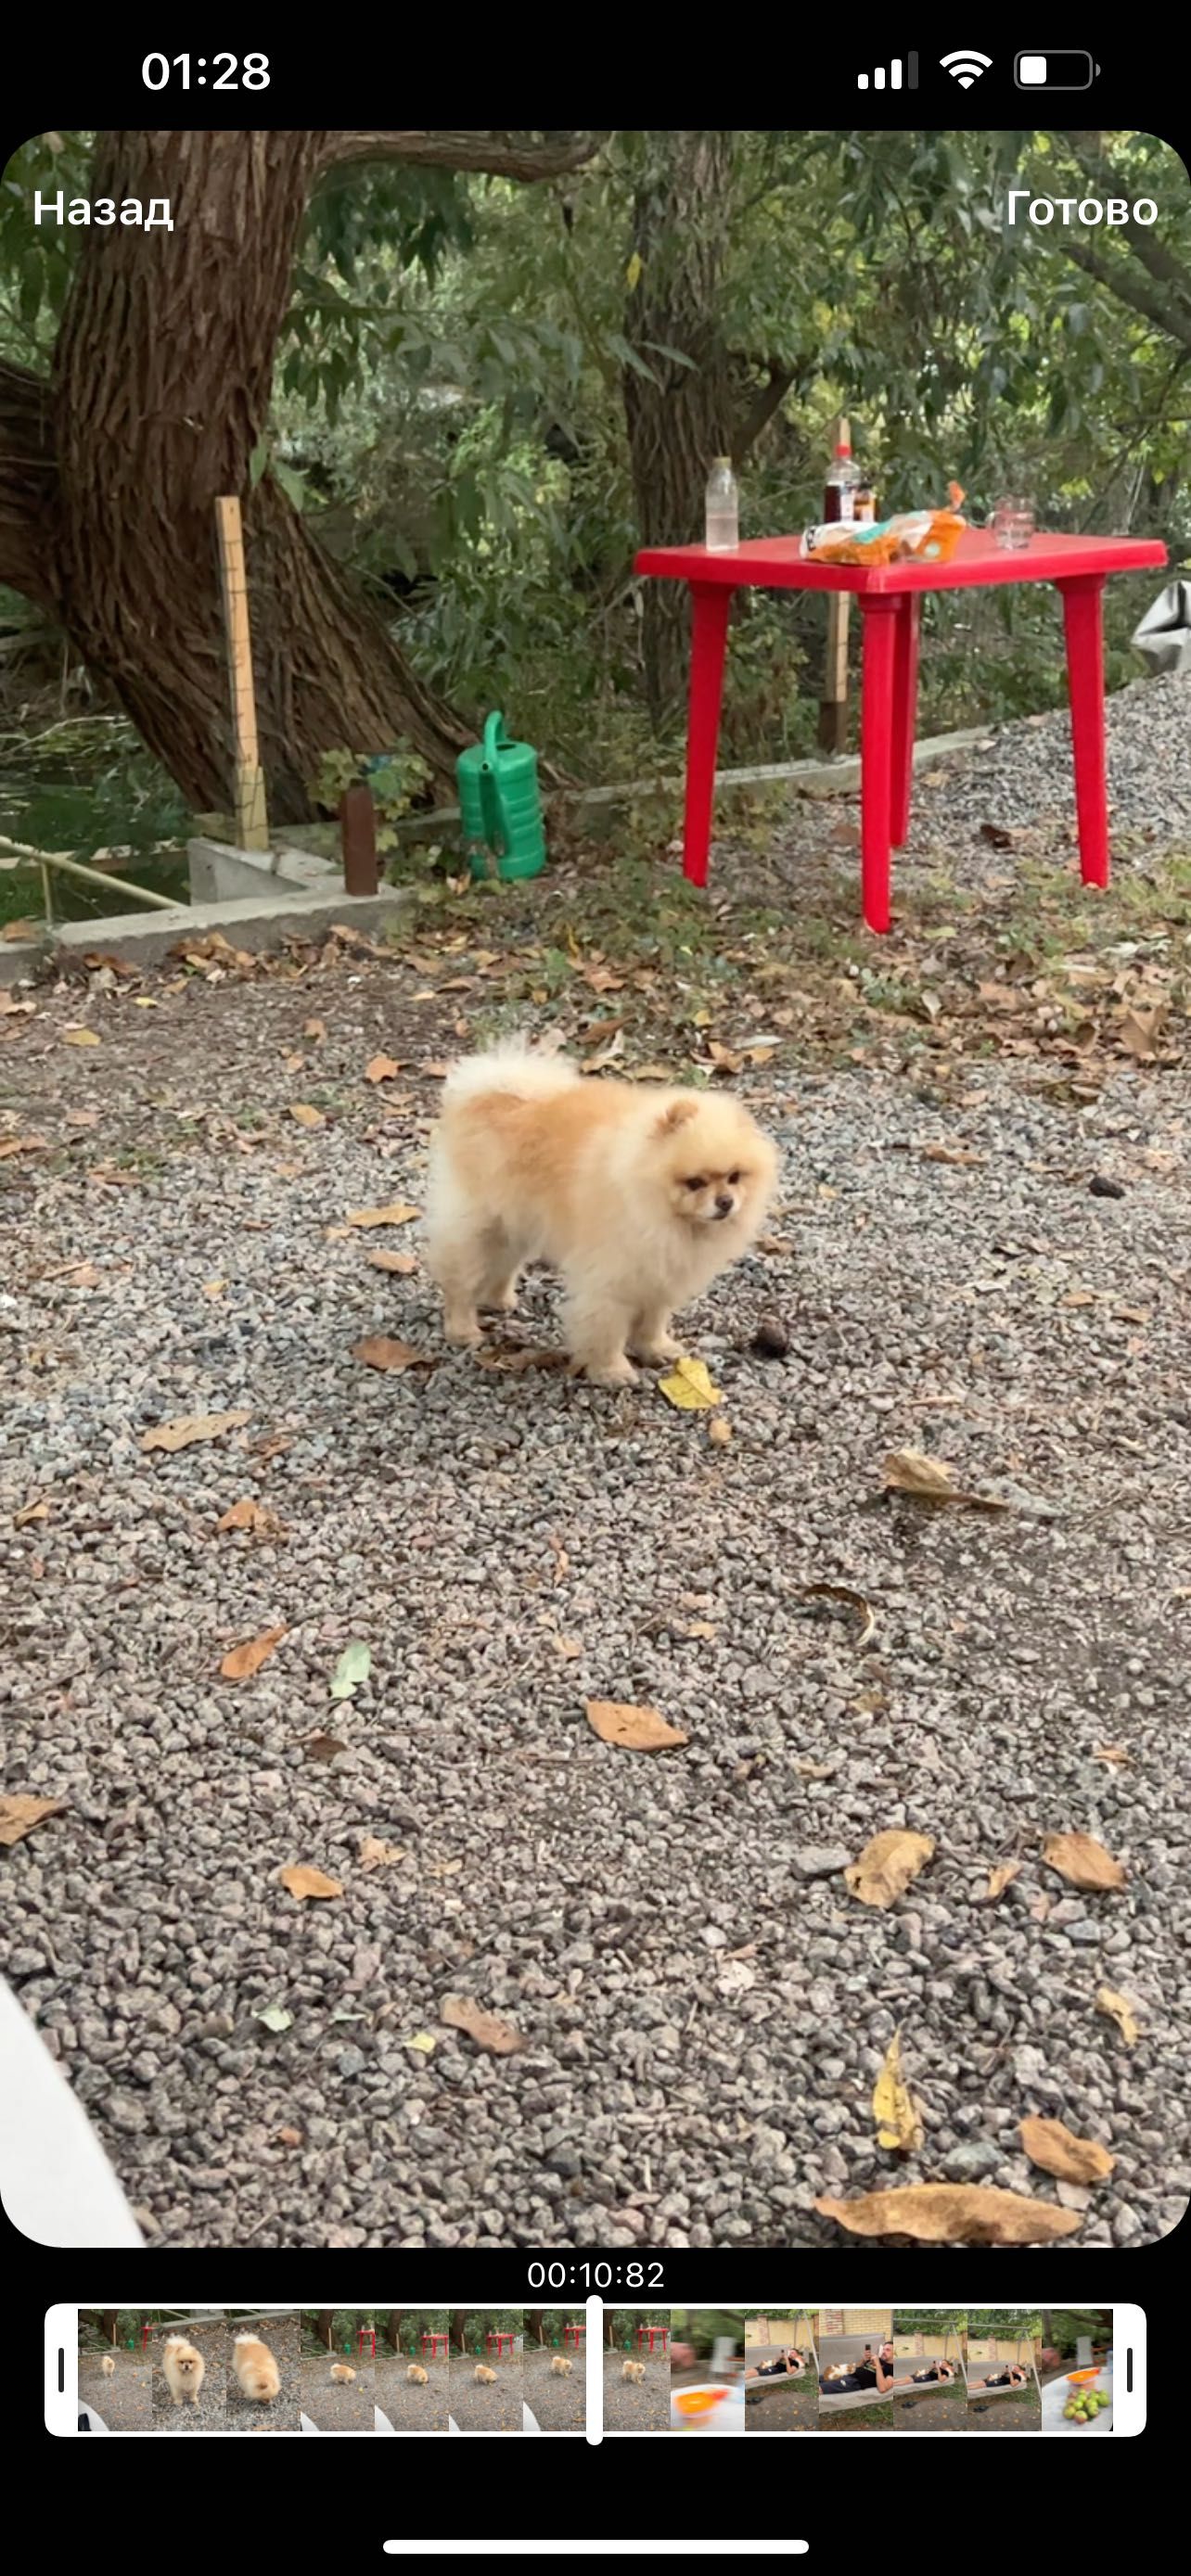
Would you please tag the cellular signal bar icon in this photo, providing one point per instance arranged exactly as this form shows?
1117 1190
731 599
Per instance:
891 79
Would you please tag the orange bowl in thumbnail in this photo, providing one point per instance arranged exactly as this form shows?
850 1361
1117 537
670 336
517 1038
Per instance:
698 2401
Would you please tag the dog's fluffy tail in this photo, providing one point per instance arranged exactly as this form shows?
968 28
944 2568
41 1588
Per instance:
518 1070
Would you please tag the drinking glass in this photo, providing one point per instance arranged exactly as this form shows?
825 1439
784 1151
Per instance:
1012 523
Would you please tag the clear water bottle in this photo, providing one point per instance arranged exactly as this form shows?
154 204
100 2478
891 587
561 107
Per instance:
843 483
723 508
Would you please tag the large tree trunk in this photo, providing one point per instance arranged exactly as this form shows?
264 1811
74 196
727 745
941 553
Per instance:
160 393
680 417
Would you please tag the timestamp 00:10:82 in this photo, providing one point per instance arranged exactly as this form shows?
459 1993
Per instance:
596 2276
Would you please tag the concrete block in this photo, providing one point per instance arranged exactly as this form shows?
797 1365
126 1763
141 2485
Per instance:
254 922
221 874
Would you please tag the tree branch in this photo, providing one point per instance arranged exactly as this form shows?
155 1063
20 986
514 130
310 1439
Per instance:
766 401
1128 289
28 486
1163 265
503 156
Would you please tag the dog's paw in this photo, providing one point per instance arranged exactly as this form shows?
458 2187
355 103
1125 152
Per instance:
656 1353
619 1372
463 1332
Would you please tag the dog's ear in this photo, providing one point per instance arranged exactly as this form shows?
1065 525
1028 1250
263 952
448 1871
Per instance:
677 1113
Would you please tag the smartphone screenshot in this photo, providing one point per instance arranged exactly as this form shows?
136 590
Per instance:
595 939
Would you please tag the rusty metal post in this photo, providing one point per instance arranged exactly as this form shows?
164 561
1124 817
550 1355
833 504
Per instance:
357 825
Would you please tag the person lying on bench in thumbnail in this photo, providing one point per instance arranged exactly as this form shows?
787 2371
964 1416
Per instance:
941 2370
1012 2376
873 2370
790 2364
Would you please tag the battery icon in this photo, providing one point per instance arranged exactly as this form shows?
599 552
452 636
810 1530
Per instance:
1070 70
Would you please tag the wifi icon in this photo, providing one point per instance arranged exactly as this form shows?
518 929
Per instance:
965 65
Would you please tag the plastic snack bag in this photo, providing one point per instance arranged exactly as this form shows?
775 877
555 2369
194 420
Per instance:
913 536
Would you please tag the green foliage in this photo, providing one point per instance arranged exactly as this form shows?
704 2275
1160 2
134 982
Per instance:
395 778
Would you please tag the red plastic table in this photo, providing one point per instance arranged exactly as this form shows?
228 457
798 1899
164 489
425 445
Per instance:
662 2333
370 2331
500 2340
434 2340
577 2331
891 601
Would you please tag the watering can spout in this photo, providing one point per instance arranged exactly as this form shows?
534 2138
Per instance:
500 805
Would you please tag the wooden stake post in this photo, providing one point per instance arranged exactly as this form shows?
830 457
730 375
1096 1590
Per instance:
252 820
833 705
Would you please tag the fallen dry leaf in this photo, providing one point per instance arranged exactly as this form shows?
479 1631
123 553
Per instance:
1001 1878
314 1029
398 1214
38 1511
1122 2010
887 1865
855 1600
382 1068
399 1262
250 1515
1056 2150
21 1145
304 1881
305 1115
521 1355
379 1351
487 2029
374 1854
289 2137
244 1661
899 2122
719 1431
641 1730
20 1814
23 929
1140 1031
323 1748
1083 1862
929 1480
81 1037
962 1154
1111 1753
191 1427
689 1386
952 2213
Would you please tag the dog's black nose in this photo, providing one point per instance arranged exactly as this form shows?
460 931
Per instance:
723 1205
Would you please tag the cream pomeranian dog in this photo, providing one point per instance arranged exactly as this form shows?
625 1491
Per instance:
559 2366
256 2369
184 2368
637 1195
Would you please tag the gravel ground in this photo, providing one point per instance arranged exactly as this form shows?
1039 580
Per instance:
1017 779
409 2407
125 2401
336 2406
637 2405
477 2406
788 2406
210 2414
697 2068
283 2335
557 2400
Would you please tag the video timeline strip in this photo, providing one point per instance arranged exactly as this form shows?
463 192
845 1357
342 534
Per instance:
592 2370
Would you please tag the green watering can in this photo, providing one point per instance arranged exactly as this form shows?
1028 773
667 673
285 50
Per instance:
500 805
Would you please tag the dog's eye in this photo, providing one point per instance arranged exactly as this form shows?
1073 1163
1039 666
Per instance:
733 1178
697 1184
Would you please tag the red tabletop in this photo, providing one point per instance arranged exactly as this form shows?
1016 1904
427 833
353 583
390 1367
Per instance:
774 563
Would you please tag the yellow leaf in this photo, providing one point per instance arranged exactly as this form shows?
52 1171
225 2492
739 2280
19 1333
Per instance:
380 1352
304 1881
952 2213
305 1115
374 1854
896 2112
1122 2010
81 1037
487 2029
398 1214
1001 1878
19 1815
1083 1862
423 2042
1056 2150
191 1427
641 1730
400 1262
887 1865
690 1387
243 1661
632 275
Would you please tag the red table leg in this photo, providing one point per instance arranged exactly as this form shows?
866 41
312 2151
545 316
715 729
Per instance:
905 706
1082 601
709 635
876 744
